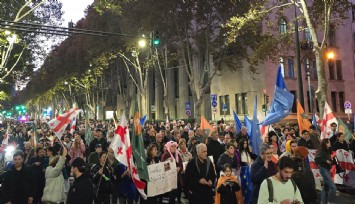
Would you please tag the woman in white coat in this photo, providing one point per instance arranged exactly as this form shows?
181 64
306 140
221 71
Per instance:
54 189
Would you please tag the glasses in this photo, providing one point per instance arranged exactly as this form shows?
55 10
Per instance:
268 153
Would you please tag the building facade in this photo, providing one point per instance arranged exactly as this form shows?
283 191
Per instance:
238 89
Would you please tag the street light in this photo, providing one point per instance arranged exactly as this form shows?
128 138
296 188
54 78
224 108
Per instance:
330 55
142 43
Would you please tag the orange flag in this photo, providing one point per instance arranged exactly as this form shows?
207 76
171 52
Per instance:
205 125
303 122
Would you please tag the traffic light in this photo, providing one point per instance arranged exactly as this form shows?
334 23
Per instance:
155 38
264 107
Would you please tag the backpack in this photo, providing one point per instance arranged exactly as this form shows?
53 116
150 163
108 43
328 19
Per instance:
271 189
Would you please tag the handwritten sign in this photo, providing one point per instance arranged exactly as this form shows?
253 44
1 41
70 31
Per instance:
162 178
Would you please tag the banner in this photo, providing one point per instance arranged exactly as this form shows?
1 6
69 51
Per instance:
346 162
162 178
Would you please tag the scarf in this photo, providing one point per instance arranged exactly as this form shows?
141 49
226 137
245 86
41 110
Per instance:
220 182
168 145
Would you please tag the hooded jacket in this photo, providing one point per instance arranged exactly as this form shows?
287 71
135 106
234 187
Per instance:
54 189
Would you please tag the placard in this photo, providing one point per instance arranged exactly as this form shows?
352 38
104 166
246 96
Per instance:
162 178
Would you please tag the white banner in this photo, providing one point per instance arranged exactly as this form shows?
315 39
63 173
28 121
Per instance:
162 178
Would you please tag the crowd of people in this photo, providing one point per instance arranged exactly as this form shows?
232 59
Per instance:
221 165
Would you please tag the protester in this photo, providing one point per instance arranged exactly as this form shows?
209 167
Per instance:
200 177
228 190
102 176
38 165
340 143
77 149
245 162
18 185
214 148
305 140
291 147
261 169
54 191
304 180
172 154
94 156
82 189
227 158
98 140
324 162
314 136
284 189
183 151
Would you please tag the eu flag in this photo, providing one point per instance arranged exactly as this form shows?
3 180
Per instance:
247 124
255 136
245 180
238 124
281 102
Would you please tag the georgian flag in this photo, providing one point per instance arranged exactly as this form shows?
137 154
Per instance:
58 124
122 148
73 125
328 119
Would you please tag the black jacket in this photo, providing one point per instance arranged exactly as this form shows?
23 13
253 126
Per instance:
195 170
337 145
215 149
18 186
321 159
224 159
95 141
304 143
82 191
304 180
258 174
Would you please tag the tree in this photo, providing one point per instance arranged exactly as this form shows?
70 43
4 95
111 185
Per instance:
193 30
20 48
317 16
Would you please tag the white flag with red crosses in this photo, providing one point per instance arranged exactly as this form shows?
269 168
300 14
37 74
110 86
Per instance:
58 124
122 148
328 119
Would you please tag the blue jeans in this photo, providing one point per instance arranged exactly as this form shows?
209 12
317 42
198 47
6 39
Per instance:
329 189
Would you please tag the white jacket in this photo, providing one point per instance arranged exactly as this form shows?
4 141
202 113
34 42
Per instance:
54 189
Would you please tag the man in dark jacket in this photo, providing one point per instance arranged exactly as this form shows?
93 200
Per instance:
261 169
82 190
214 148
200 175
305 141
38 167
98 140
18 186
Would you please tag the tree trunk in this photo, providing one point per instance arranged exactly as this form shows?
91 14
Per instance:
321 92
143 103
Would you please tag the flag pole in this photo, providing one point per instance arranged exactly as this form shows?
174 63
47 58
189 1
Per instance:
98 186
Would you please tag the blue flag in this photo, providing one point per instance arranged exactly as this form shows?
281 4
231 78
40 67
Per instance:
248 125
255 137
314 121
238 124
247 186
281 102
143 120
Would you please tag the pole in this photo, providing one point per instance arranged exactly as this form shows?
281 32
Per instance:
309 87
299 71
